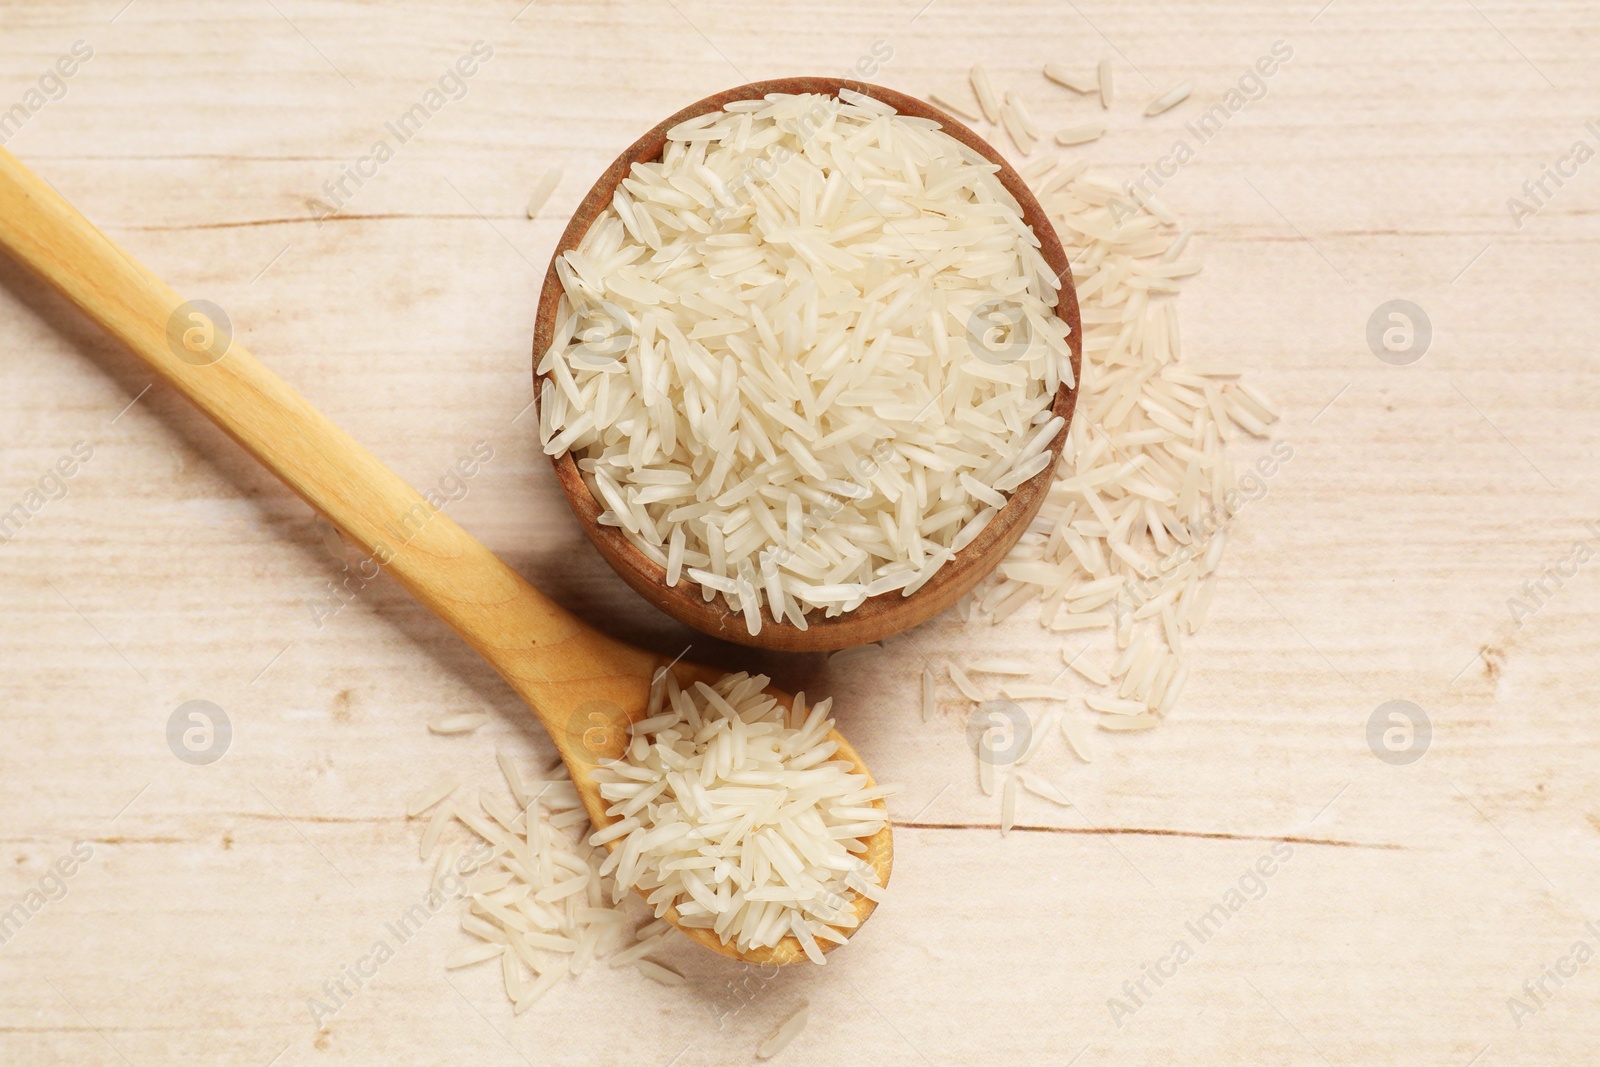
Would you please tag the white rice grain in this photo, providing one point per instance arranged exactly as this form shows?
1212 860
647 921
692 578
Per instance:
542 985
1111 706
1081 84
987 101
738 787
1129 722
1000 666
1034 691
438 790
721 400
1016 128
1024 117
954 108
657 973
508 768
784 1034
965 684
1079 738
430 835
1169 99
1129 522
543 191
1080 134
458 722
1043 787
1088 668
473 954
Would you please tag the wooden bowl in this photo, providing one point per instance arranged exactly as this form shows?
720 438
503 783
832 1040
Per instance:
879 616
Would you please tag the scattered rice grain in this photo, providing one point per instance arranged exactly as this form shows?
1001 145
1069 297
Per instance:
458 722
784 1034
1169 99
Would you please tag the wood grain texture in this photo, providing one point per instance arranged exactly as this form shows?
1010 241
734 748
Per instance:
1377 566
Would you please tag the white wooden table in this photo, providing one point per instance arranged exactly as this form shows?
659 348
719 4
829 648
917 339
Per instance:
1415 901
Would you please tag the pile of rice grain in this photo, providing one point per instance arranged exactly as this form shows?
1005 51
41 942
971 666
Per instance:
733 811
730 809
1132 531
534 896
805 357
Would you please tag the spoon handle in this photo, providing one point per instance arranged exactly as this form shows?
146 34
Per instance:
565 670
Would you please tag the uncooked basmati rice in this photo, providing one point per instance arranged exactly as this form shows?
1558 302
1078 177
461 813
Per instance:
513 777
432 794
1039 167
1068 621
732 812
532 894
1033 691
1112 706
639 950
846 657
964 683
1131 535
657 973
1083 133
1129 722
802 385
1023 116
1016 126
1042 787
430 836
1081 84
516 986
1087 667
1008 805
954 108
466 957
987 101
786 1033
1079 739
460 722
1000 666
542 985
1040 729
1169 99
543 191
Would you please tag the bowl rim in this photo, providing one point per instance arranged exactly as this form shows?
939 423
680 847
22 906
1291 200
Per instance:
882 615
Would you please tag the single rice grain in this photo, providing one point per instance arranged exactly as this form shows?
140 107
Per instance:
784 1034
1169 99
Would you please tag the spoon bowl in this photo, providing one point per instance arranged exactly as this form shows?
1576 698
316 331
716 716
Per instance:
595 729
880 616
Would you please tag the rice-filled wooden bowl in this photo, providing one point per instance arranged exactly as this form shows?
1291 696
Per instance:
804 367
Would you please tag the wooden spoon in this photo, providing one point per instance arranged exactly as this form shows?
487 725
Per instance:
584 687
880 616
